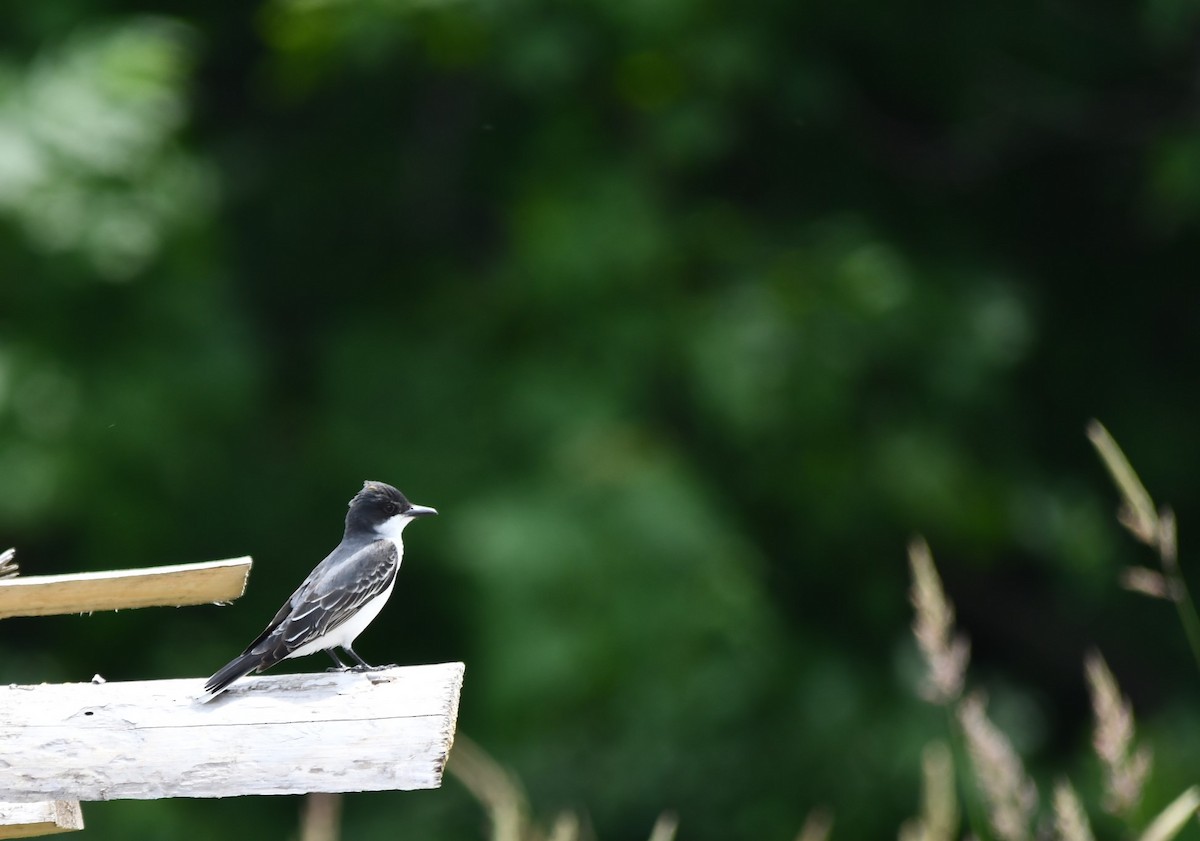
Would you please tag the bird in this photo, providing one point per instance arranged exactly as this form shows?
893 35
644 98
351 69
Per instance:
341 595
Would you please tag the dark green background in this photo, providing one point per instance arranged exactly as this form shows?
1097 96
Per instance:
686 315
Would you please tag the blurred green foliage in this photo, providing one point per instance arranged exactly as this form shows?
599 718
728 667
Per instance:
685 316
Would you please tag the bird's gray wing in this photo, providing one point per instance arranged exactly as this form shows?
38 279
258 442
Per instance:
337 588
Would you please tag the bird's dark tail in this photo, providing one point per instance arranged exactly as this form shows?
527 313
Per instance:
240 666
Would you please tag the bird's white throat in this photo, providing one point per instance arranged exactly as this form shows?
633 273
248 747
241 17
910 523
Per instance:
392 527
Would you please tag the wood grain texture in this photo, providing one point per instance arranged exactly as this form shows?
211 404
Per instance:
179 584
29 820
285 734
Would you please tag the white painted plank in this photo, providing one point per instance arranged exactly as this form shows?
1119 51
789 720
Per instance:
84 592
29 820
284 734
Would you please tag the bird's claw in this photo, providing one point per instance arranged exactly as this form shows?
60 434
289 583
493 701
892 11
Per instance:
372 668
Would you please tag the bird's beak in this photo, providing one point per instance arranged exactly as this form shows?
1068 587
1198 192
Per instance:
420 511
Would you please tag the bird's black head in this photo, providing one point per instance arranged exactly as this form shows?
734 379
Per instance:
381 508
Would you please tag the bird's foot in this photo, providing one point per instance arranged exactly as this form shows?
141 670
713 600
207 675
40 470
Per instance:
340 669
373 668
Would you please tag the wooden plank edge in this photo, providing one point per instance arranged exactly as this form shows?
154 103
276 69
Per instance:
173 585
452 703
46 817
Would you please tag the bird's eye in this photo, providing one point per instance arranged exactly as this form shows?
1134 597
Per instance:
391 509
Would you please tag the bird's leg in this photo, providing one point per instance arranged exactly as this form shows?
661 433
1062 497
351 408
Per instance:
363 665
341 667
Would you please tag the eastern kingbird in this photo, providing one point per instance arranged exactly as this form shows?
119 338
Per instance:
341 596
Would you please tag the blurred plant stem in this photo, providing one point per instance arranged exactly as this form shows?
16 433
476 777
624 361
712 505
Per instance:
817 826
971 796
321 817
500 793
938 819
1154 528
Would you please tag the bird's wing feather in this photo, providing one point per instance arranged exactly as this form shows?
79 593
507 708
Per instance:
330 595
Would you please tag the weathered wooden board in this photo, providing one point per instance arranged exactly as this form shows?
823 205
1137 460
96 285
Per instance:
179 584
286 734
29 820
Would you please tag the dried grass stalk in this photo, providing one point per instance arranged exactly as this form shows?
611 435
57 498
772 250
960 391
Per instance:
500 792
565 827
497 790
938 820
1009 793
945 652
1137 509
1070 821
1126 767
817 826
1167 540
1173 818
665 827
321 817
1148 582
